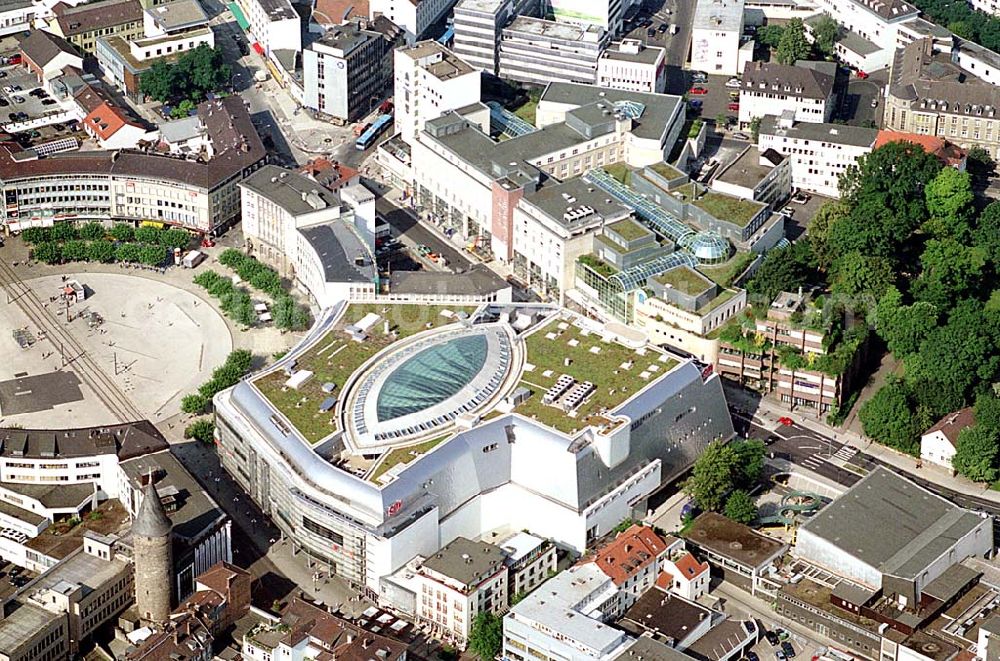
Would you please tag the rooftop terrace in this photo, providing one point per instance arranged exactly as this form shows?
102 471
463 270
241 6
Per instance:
684 279
336 356
616 371
724 207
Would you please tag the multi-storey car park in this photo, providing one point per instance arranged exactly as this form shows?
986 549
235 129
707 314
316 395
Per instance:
392 429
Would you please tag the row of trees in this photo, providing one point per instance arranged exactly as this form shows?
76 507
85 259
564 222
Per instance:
234 301
287 314
189 80
78 250
238 364
723 476
119 232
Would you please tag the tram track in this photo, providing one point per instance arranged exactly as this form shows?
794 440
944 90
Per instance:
73 352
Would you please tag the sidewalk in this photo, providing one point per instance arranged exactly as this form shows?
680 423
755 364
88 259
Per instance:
769 411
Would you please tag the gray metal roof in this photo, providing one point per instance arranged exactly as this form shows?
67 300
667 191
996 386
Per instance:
466 561
151 519
890 523
659 108
841 134
293 192
338 247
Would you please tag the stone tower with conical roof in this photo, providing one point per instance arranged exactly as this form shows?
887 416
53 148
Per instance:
153 556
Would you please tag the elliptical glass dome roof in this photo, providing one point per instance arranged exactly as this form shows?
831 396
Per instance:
708 247
431 376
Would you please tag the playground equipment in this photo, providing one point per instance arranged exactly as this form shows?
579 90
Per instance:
792 508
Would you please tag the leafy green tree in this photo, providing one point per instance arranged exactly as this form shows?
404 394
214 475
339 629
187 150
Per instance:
74 251
770 35
101 251
987 411
36 235
175 238
152 255
855 275
300 317
949 271
486 636
63 231
156 83
783 269
755 128
981 158
750 458
122 232
193 403
202 429
207 278
148 234
195 73
92 231
245 313
793 44
987 232
950 204
954 359
282 310
740 507
221 288
819 231
887 185
182 109
976 454
826 32
232 258
128 253
888 419
904 327
47 252
712 476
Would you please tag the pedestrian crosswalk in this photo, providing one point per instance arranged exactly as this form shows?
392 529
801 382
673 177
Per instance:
813 461
845 453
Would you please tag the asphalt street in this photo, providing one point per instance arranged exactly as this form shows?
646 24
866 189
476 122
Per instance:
414 233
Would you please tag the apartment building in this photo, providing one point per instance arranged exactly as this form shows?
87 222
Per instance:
415 17
716 38
479 25
348 71
83 24
818 153
931 95
786 353
566 622
759 174
310 234
124 62
632 560
430 80
199 193
769 88
872 30
530 562
539 51
631 65
274 24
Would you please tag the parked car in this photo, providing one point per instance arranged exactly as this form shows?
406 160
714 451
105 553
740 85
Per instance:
3 74
12 116
787 648
651 33
8 89
695 104
733 82
874 103
699 77
801 198
17 99
733 107
779 655
662 27
862 75
698 90
4 103
772 638
752 656
48 102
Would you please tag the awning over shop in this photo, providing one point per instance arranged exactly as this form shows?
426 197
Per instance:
241 20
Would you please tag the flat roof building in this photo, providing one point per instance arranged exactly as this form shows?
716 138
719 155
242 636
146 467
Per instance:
890 534
717 29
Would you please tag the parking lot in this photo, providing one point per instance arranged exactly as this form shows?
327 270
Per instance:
12 578
716 98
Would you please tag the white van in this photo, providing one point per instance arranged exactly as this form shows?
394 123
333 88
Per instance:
673 28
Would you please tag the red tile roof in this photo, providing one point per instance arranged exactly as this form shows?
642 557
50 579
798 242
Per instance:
951 424
105 120
945 151
629 553
336 12
664 581
689 567
219 576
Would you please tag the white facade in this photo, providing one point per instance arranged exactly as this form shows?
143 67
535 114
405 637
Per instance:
539 51
274 24
346 72
819 153
716 37
16 17
935 448
565 620
630 65
873 29
413 16
429 81
478 26
779 97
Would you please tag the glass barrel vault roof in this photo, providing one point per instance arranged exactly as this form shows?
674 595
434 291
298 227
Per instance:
431 376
